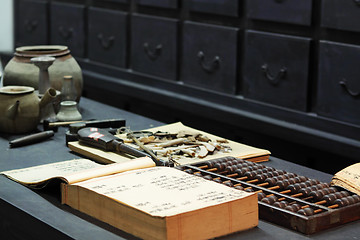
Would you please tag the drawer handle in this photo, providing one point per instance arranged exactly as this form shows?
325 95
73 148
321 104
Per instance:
279 1
30 26
106 43
357 2
65 33
343 83
212 66
274 80
152 54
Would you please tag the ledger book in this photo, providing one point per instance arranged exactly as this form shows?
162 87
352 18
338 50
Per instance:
147 201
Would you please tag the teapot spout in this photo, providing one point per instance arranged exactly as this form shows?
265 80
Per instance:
13 110
48 97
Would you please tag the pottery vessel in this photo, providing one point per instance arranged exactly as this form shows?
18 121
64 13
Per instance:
21 71
68 112
20 108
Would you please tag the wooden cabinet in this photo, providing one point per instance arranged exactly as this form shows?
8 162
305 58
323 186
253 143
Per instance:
67 27
170 4
341 14
154 46
276 69
32 23
224 7
207 62
107 44
284 11
338 91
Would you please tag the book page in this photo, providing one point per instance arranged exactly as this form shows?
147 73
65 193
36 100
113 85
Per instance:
72 171
38 174
348 178
163 191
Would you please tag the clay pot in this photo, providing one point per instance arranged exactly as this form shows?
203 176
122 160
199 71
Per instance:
20 108
20 70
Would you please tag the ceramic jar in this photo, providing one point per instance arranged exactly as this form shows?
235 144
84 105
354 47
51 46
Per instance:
21 108
20 70
68 112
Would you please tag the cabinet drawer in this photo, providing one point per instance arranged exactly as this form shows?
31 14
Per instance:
67 27
209 57
341 14
107 36
338 92
224 7
32 23
154 45
276 69
159 3
286 11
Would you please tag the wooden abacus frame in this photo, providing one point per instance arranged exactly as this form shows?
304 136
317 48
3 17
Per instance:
325 217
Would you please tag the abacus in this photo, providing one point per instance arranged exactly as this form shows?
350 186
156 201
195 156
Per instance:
296 202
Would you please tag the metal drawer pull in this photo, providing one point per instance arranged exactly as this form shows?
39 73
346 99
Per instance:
357 2
152 54
212 66
274 80
65 33
279 1
106 43
30 25
343 83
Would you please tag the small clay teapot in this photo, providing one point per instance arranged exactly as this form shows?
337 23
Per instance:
20 108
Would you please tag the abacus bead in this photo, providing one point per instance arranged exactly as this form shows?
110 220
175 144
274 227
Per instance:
330 198
229 184
293 207
261 177
294 187
208 177
281 204
218 166
269 200
313 181
306 211
356 198
230 169
332 189
239 187
261 195
305 191
269 174
188 171
271 181
283 184
218 180
302 178
317 195
249 190
251 174
240 172
198 174
292 181
350 199
281 172
340 202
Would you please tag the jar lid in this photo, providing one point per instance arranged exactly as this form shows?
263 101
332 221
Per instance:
39 50
14 90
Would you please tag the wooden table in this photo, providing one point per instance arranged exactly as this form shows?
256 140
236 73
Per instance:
29 214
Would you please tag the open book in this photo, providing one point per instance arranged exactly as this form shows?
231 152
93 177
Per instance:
149 202
348 178
230 148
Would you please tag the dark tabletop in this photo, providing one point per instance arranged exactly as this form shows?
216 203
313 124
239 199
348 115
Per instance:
38 214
